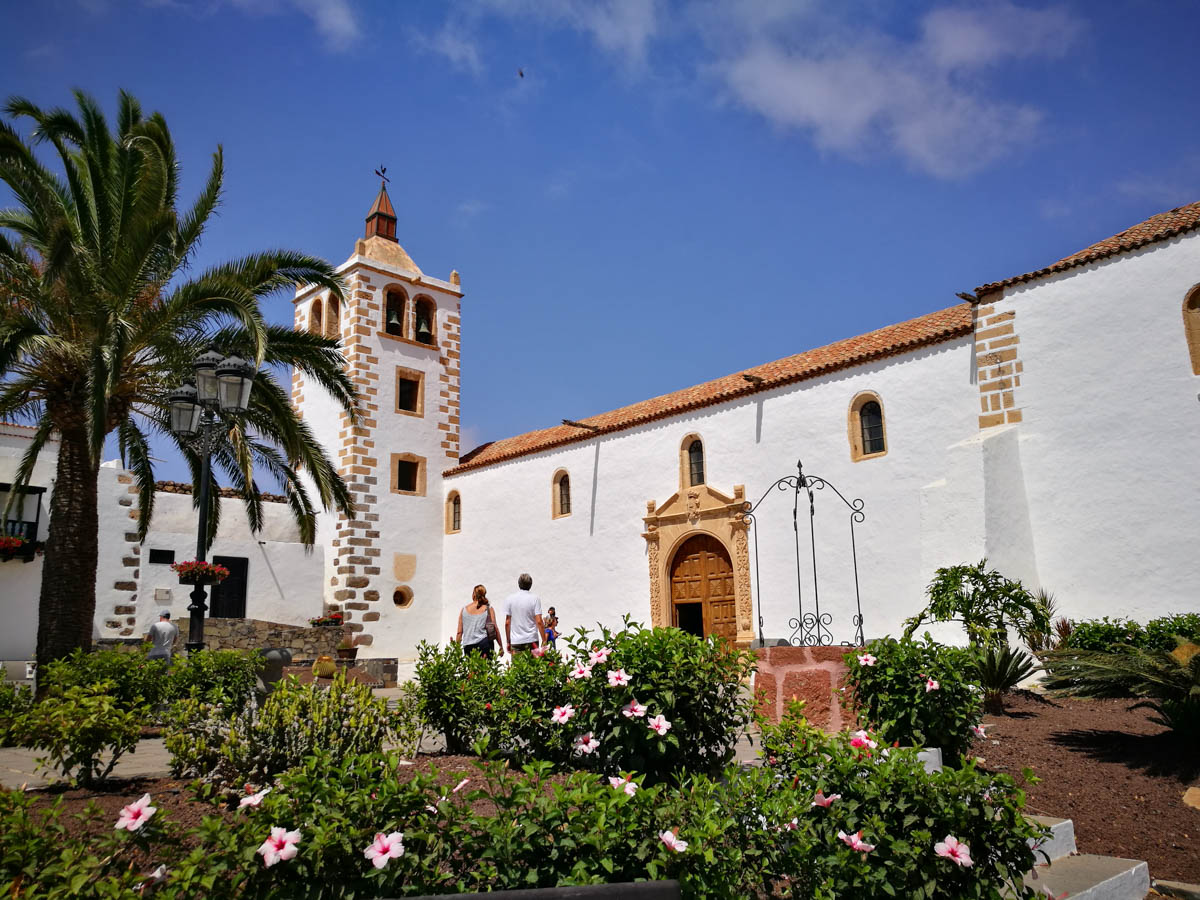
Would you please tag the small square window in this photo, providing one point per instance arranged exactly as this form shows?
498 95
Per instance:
406 475
407 396
162 557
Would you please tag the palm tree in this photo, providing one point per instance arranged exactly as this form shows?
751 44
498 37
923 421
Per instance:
99 320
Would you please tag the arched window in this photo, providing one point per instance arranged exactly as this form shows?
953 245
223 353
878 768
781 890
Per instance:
1191 327
425 321
314 318
691 461
453 513
393 315
333 318
560 494
865 428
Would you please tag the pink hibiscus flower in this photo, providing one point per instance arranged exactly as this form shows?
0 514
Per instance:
619 678
280 846
671 839
855 842
253 799
136 814
623 784
384 848
862 739
585 743
867 660
953 848
825 802
633 709
599 655
580 671
979 730
931 685
659 725
562 714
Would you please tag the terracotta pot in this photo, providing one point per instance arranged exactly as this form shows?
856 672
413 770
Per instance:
347 652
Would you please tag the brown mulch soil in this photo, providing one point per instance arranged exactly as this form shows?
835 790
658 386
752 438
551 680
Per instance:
1115 773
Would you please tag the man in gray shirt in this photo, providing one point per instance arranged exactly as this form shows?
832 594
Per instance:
523 626
162 637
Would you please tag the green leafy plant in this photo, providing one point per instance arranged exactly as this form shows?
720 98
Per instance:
223 677
986 602
15 701
134 681
1161 633
1039 639
903 811
998 671
78 726
894 693
1166 682
261 741
454 689
1120 635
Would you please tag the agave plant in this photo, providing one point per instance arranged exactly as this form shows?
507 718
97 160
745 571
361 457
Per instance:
1166 682
999 669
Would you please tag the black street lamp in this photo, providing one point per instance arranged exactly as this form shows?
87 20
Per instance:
222 386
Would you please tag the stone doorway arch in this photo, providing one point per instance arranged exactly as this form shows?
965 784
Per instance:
702 592
685 515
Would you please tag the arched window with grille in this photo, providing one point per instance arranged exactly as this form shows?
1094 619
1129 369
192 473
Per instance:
333 318
453 513
1191 327
691 461
560 494
314 318
866 428
393 314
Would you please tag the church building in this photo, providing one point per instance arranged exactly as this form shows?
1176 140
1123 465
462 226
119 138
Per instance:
1049 422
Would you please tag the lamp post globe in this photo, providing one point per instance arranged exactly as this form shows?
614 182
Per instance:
205 368
184 410
235 379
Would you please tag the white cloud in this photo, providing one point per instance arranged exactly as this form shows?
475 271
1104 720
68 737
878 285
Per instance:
451 43
334 19
621 27
1177 185
971 37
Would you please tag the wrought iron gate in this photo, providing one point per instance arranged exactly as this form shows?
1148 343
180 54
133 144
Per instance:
809 628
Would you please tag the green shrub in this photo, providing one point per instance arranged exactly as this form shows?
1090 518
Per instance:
135 681
903 811
696 685
986 602
261 741
78 725
891 694
1160 633
1105 634
223 677
407 724
999 670
15 701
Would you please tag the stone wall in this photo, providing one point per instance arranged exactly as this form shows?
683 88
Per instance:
811 674
256 634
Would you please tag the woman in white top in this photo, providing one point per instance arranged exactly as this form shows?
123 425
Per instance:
477 624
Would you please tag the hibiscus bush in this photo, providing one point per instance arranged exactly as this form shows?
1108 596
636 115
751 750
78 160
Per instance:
135 682
82 729
917 693
657 701
262 740
224 677
870 821
15 701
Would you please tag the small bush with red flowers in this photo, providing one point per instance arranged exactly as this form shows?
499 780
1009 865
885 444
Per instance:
329 620
10 543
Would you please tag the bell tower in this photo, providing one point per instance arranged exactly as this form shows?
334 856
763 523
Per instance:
400 331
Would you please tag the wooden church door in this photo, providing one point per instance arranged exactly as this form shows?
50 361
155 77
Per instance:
702 598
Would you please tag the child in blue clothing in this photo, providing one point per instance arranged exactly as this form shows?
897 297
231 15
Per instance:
552 631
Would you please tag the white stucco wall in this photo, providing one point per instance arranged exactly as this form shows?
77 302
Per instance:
1111 432
592 565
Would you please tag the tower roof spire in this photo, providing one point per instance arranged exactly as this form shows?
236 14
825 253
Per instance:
381 220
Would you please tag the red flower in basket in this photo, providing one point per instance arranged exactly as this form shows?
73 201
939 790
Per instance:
11 542
193 571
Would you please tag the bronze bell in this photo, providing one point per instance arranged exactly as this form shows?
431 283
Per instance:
424 333
393 322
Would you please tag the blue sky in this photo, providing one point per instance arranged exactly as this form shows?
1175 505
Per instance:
673 191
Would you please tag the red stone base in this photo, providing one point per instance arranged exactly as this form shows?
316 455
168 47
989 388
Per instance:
811 674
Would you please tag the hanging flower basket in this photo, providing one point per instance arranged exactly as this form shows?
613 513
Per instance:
332 620
15 547
193 571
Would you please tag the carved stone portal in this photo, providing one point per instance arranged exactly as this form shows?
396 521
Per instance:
698 510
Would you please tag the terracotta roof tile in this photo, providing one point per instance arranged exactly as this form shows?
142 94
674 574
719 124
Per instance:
1156 228
933 328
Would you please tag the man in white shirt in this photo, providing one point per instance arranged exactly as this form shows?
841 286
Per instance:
523 626
162 637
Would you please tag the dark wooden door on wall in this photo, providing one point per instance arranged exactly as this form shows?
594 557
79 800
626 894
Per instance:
229 597
702 599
